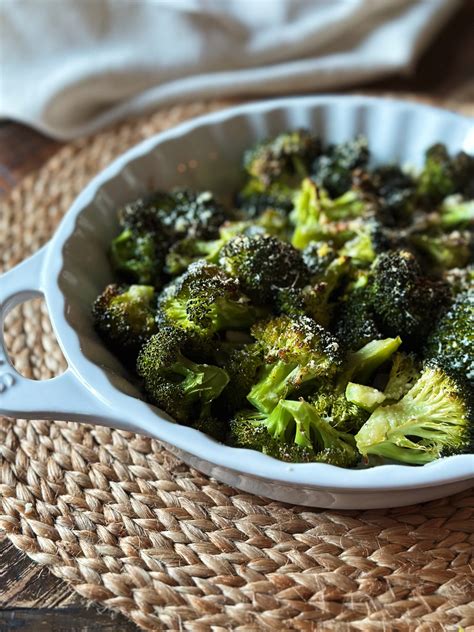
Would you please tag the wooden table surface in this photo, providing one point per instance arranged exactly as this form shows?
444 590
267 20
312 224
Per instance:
31 598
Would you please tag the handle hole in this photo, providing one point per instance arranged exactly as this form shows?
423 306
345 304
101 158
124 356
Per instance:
31 343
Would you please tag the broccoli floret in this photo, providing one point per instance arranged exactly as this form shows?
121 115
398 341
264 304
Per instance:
270 222
460 279
318 255
344 399
242 364
370 239
442 175
139 257
205 300
395 191
318 218
354 321
181 213
333 169
307 216
404 372
333 406
315 300
295 352
212 426
152 224
283 158
247 429
185 251
294 431
299 422
445 250
451 343
124 317
433 419
263 264
463 169
405 302
256 198
456 212
181 387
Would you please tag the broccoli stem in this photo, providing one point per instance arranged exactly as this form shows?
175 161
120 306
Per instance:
201 381
273 385
311 431
362 363
456 211
366 397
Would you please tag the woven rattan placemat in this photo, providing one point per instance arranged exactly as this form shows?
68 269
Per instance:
134 529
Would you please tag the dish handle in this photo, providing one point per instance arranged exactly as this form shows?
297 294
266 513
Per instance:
63 397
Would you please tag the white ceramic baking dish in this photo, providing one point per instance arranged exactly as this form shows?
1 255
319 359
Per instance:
73 268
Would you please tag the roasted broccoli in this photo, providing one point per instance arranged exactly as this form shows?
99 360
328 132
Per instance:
242 363
151 225
314 299
443 175
395 194
445 250
283 158
333 169
433 419
181 213
405 301
456 212
204 300
183 388
403 375
318 255
139 257
354 321
451 342
324 314
263 265
294 429
370 239
184 252
124 317
296 351
360 365
318 218
460 279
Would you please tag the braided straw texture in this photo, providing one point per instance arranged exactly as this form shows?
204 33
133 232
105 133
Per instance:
132 528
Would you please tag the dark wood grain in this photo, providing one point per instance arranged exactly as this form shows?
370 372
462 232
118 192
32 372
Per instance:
72 619
32 598
21 150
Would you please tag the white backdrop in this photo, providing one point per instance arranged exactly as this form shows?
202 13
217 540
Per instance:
69 67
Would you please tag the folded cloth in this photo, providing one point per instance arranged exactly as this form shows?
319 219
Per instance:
70 67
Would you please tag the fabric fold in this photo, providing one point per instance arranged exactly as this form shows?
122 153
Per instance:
70 68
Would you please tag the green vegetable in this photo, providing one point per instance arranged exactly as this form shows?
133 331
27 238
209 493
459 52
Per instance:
294 429
204 300
295 352
433 419
183 388
451 342
124 317
324 314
